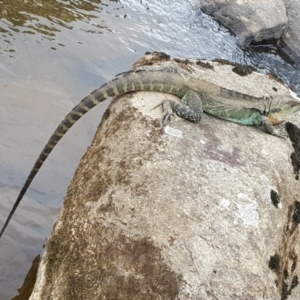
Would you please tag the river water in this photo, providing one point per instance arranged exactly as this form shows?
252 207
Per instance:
52 54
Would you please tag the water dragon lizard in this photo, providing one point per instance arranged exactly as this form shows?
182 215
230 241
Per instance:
197 95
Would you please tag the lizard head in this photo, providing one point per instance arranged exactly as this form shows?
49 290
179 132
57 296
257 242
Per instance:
280 112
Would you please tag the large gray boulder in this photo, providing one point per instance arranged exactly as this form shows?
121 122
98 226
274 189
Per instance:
256 22
291 36
199 211
251 21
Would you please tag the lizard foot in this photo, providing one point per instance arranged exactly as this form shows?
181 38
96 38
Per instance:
168 112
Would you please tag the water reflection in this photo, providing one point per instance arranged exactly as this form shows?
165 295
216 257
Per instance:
30 16
46 18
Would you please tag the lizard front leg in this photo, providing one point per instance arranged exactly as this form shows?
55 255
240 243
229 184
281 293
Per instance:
190 108
270 128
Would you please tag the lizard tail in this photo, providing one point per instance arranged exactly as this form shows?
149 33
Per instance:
108 90
130 82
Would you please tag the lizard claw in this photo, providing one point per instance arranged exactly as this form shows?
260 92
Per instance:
167 112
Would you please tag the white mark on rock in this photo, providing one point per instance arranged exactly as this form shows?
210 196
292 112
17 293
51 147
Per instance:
173 132
264 178
225 203
247 210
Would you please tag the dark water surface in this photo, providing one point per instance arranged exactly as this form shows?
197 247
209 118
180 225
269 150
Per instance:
52 54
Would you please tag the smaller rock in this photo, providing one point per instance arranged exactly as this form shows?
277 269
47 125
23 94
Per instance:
251 21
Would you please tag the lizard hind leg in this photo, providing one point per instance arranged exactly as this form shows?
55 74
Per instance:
190 108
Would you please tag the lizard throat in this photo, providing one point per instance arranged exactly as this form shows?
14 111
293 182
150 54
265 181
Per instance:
275 121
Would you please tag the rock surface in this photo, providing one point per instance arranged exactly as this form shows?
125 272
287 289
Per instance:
200 211
291 36
256 22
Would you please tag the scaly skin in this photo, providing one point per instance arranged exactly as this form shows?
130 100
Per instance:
196 96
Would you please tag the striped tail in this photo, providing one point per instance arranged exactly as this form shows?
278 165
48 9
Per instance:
108 90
